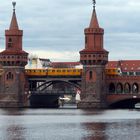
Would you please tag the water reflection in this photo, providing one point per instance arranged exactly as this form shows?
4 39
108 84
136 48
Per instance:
69 124
96 131
14 132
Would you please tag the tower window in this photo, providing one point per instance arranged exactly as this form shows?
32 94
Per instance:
90 75
9 42
9 76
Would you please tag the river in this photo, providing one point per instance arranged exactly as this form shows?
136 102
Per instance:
69 124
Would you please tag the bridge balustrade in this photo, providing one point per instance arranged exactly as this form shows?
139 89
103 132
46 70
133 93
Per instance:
123 88
66 92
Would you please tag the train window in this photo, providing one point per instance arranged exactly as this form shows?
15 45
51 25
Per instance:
124 73
131 73
137 73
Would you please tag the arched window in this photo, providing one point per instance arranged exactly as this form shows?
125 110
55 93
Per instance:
111 88
89 61
90 75
127 88
9 76
9 42
119 88
135 88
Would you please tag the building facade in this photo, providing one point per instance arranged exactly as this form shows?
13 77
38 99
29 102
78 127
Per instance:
103 82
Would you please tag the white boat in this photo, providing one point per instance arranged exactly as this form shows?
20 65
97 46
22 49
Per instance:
137 105
65 99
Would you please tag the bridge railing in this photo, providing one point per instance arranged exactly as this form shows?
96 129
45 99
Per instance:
67 92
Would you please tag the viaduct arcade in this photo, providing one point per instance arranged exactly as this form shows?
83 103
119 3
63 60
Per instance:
99 89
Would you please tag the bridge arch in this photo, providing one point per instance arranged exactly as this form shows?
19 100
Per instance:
125 103
51 82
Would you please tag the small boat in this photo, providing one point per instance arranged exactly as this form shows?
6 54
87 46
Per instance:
65 99
137 105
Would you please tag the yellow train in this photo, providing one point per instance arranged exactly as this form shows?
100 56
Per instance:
112 71
54 72
65 72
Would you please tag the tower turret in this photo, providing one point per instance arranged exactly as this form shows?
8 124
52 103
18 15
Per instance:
13 55
94 58
94 53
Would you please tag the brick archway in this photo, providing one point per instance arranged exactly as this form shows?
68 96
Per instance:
135 88
127 88
122 100
119 88
112 88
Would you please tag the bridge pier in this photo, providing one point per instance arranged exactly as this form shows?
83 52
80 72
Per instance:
90 101
90 105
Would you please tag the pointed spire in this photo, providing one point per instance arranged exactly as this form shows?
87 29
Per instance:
94 20
14 24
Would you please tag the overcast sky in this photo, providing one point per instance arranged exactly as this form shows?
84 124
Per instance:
54 29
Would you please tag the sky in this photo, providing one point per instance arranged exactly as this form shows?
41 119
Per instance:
54 29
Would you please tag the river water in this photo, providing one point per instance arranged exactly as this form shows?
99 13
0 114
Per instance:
69 124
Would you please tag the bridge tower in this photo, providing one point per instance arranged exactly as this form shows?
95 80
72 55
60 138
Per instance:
94 58
13 60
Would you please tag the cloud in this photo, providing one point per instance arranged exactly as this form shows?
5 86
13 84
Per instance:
58 26
56 55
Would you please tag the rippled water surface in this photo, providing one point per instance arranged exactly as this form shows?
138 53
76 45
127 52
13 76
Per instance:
69 124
